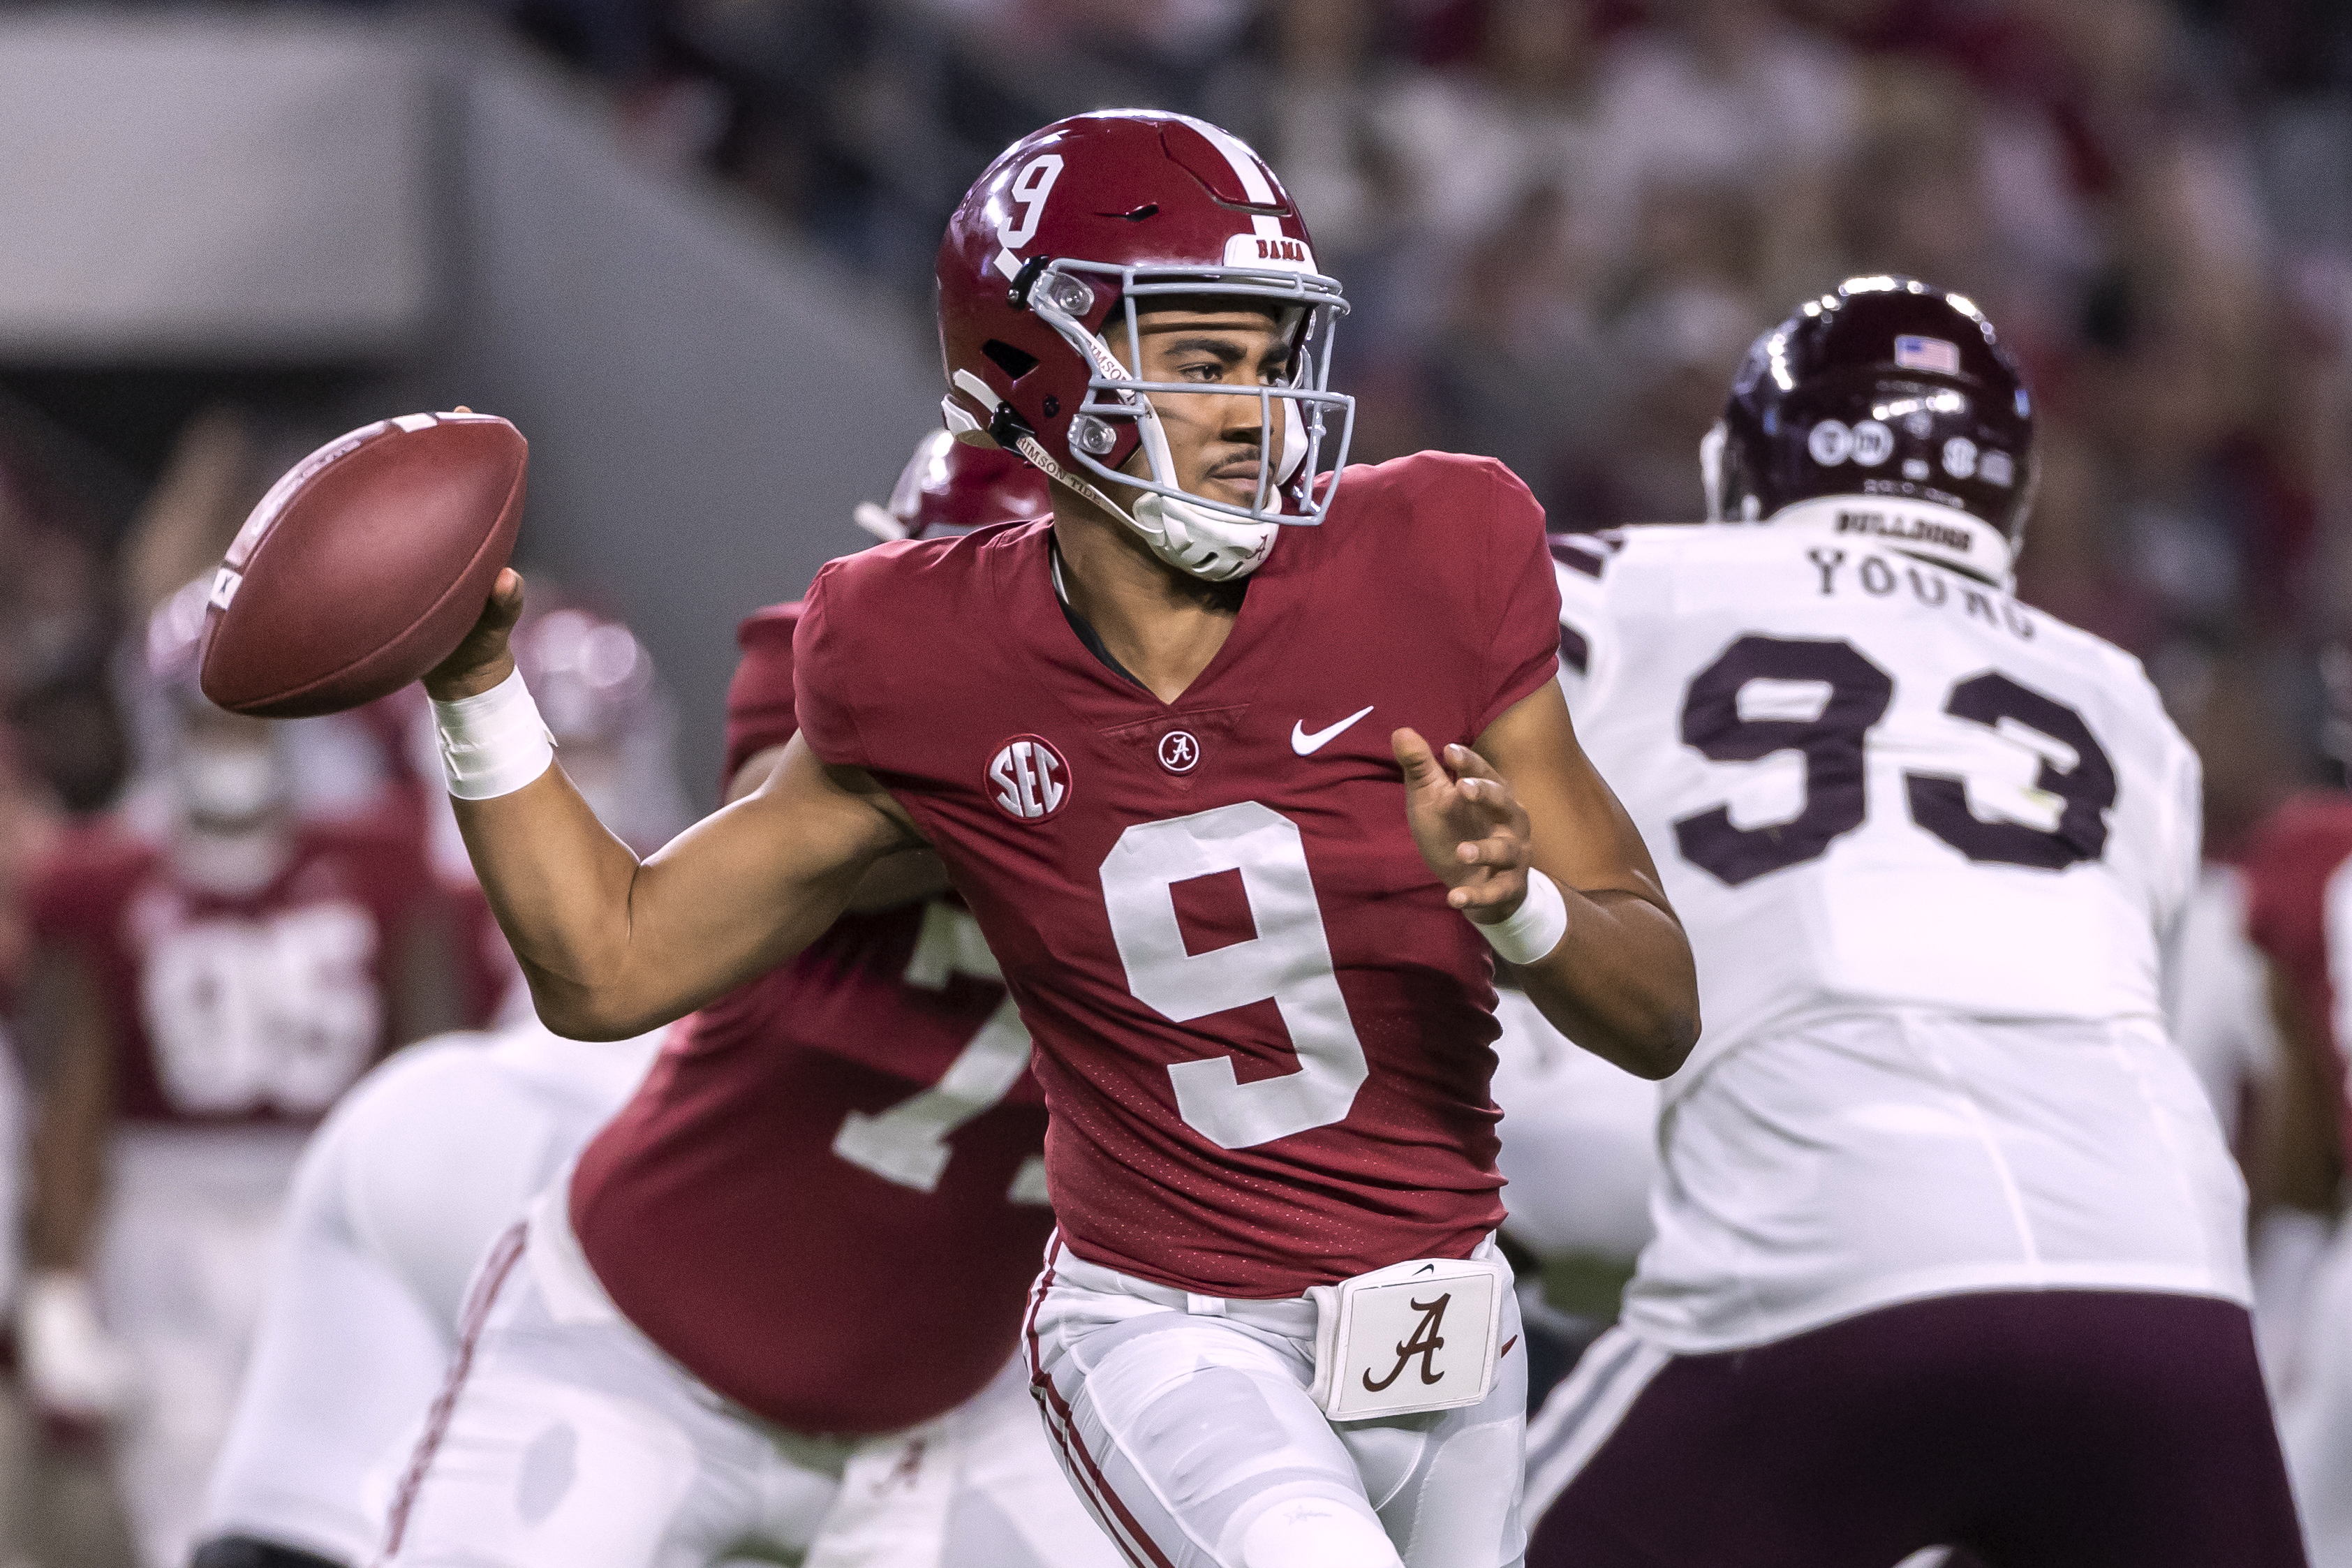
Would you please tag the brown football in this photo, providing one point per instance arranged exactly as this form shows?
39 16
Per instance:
364 565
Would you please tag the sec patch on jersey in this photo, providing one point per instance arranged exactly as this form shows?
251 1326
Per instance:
364 565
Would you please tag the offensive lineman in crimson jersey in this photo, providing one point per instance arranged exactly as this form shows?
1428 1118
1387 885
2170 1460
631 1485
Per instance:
2299 912
1949 1249
836 1163
1159 743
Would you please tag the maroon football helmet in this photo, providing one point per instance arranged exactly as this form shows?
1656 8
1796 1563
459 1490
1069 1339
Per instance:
1062 240
1889 387
952 486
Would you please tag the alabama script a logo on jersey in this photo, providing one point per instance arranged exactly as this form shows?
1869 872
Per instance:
1028 779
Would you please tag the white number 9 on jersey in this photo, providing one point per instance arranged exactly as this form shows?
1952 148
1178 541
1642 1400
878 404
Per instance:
1289 962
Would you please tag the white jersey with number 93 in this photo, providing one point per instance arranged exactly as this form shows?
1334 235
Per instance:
1927 842
1873 781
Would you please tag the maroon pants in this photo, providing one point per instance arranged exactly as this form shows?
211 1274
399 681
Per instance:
2035 1429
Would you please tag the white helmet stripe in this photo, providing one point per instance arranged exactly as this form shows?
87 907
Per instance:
1246 170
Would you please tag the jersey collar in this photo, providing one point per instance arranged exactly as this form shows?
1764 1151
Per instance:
1942 534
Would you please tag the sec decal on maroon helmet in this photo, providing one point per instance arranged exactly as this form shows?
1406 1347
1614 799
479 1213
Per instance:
364 565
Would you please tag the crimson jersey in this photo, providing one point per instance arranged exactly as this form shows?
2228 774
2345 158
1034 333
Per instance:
827 1200
252 1006
2299 912
1264 1035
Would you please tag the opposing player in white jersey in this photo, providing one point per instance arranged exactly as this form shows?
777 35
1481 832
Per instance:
397 1198
1949 1249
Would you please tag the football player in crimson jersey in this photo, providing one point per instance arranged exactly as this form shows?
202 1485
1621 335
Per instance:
1234 761
1949 1249
2299 912
203 990
798 1258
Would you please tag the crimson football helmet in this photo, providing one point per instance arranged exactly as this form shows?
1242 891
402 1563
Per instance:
1887 387
1070 233
950 487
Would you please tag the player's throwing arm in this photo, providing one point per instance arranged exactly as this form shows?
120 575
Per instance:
1536 850
613 946
312 613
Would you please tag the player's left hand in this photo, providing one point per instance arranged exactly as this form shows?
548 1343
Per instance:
1471 828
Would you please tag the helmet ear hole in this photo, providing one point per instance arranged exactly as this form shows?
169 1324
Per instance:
1014 363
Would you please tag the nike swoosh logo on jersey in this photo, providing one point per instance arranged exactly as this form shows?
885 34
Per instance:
1302 743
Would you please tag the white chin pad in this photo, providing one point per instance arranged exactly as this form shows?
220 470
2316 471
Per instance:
1294 441
1195 540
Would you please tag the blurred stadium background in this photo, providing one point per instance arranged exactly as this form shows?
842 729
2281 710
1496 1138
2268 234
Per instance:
686 246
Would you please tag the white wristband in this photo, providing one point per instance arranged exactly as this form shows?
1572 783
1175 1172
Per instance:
1535 928
493 744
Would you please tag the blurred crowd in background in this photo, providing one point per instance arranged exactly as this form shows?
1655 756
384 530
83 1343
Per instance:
1560 222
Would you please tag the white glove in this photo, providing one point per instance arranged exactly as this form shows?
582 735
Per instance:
72 1367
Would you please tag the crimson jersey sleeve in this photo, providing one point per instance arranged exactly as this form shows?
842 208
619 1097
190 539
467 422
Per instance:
760 697
2292 856
828 706
1516 571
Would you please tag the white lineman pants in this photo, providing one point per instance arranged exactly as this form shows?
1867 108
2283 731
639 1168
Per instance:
1185 1423
419 1170
183 1256
565 1439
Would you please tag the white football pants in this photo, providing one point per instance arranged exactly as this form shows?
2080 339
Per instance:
184 1251
1186 1424
565 1439
419 1169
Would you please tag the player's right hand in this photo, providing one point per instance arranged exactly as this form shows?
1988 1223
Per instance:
74 1369
1469 826
483 659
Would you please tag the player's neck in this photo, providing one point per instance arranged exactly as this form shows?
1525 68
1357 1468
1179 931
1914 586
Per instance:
1162 625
